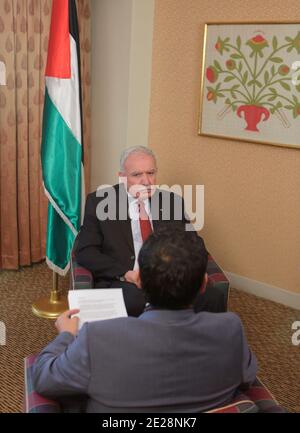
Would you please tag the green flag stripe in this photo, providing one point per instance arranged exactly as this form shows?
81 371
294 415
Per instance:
61 164
59 241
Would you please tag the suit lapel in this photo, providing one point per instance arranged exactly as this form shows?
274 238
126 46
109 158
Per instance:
126 231
124 225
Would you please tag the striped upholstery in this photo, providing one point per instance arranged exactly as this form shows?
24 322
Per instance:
217 278
81 278
240 404
257 399
33 402
263 398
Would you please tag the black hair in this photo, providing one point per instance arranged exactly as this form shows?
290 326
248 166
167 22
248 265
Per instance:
172 268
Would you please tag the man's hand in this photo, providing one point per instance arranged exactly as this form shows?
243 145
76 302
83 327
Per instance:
65 323
133 277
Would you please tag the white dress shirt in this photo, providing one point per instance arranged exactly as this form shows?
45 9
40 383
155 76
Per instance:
133 210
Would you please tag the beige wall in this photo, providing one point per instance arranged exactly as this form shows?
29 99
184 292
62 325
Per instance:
111 38
121 75
252 191
140 73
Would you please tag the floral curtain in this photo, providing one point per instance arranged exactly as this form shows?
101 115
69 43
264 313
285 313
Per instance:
24 28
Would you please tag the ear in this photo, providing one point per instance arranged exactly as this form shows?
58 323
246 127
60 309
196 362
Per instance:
122 178
204 283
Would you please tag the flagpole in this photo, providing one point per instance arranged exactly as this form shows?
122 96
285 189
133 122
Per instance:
61 149
51 308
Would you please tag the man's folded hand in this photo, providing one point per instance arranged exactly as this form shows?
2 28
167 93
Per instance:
133 277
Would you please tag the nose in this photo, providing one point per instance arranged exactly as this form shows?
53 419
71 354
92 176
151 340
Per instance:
146 179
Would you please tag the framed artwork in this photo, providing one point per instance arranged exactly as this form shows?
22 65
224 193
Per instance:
250 87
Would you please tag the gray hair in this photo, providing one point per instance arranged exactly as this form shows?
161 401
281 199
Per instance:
134 149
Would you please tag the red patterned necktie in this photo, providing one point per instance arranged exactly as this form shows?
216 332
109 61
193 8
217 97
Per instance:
145 224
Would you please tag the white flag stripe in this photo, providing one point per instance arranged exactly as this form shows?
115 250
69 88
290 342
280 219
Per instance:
64 94
60 212
57 269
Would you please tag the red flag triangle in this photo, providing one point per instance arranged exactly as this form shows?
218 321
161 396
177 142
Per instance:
59 56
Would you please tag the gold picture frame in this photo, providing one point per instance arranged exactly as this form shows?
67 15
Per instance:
250 82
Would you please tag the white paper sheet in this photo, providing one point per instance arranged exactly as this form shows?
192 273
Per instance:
97 304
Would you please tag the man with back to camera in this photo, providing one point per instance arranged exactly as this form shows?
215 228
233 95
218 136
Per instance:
169 359
109 243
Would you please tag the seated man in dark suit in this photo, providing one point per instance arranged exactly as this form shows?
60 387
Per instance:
170 359
117 221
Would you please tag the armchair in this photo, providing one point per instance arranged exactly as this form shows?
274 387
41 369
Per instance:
82 278
257 399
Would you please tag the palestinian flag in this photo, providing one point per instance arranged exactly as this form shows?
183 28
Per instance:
62 144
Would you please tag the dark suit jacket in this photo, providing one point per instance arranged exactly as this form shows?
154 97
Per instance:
162 361
106 247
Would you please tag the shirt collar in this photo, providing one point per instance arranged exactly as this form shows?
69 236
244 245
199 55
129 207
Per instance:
133 200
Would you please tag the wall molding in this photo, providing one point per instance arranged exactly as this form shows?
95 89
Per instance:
264 290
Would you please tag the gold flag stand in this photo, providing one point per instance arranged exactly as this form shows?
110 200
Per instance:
53 307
